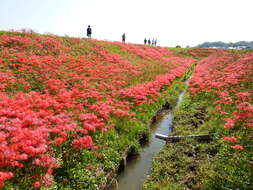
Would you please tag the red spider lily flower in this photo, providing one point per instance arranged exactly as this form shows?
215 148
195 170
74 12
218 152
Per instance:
244 96
83 142
47 180
36 185
5 176
230 139
249 123
237 147
229 123
245 106
58 141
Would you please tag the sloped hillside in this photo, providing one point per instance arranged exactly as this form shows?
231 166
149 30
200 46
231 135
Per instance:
70 107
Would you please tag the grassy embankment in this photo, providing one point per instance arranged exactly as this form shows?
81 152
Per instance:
66 77
214 164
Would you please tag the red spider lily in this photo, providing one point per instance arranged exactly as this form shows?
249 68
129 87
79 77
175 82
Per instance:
83 142
47 180
237 147
36 185
5 176
230 139
229 123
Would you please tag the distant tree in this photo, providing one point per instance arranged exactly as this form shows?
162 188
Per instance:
226 45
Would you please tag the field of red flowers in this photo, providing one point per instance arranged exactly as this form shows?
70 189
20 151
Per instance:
70 107
225 79
229 78
57 93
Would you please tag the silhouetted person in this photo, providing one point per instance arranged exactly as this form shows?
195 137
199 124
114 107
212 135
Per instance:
124 38
149 42
89 31
145 41
155 42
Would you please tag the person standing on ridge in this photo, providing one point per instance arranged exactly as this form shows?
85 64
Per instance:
149 42
153 42
145 41
89 31
124 38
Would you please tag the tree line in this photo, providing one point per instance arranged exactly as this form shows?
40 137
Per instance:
219 44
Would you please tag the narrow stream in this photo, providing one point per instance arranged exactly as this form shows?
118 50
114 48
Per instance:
137 169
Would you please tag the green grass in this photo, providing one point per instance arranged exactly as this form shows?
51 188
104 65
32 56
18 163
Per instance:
195 165
181 52
176 166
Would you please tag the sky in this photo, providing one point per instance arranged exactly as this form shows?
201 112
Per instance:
171 22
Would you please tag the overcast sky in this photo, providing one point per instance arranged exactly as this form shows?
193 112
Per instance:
172 22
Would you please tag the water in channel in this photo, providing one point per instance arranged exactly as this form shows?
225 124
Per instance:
137 169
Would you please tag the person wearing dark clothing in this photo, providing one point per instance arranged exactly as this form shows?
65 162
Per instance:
124 38
155 42
149 42
145 41
89 31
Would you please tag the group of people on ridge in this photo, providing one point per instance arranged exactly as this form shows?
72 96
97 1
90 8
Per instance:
149 42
